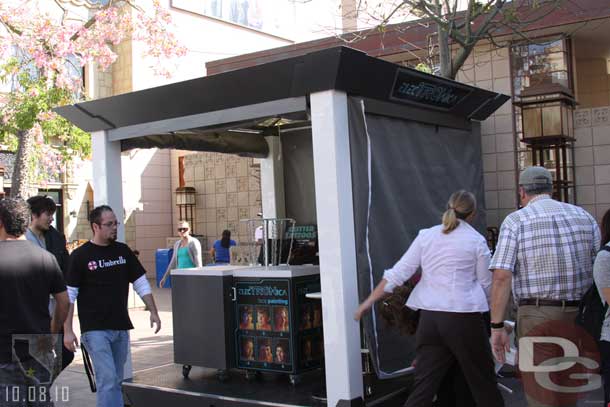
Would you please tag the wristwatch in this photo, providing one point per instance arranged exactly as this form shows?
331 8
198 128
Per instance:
497 325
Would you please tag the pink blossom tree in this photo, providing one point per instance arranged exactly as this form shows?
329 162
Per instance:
43 52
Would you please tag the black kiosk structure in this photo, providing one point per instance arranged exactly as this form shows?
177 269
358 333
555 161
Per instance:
371 149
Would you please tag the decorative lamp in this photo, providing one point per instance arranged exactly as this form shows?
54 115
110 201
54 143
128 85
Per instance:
548 131
546 113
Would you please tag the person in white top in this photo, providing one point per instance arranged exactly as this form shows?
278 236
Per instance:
453 292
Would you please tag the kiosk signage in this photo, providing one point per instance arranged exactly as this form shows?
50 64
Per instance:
411 87
263 333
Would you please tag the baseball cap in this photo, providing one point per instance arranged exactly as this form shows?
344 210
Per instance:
535 175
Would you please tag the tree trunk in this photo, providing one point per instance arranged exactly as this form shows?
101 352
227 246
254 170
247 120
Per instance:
444 52
21 181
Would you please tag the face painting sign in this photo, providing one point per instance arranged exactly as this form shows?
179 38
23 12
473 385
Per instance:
263 331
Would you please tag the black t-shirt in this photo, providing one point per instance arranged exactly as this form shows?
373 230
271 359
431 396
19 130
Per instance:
102 275
28 274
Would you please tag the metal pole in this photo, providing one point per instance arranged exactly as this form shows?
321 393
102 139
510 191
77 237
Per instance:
265 242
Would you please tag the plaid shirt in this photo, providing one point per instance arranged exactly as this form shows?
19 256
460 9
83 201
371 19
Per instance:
549 246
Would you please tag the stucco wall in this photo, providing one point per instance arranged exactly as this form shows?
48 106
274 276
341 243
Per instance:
592 77
147 197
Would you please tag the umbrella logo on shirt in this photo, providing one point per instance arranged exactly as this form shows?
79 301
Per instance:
100 264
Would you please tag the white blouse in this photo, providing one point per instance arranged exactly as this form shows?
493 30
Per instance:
455 270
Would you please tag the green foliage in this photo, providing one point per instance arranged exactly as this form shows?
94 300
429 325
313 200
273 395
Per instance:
29 108
423 67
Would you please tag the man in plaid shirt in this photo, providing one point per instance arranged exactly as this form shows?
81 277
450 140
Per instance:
546 251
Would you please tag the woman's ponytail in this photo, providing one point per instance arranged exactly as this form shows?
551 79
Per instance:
450 220
461 205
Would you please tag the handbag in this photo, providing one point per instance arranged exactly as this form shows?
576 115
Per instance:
395 312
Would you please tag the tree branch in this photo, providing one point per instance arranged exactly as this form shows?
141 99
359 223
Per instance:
554 7
489 18
110 4
64 11
386 19
10 28
482 19
469 18
461 57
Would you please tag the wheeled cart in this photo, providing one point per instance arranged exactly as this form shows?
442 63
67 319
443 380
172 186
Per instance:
252 318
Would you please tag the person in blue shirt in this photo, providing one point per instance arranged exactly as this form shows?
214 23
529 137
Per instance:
220 250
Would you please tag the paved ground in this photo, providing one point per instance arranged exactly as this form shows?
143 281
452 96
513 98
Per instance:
147 349
150 351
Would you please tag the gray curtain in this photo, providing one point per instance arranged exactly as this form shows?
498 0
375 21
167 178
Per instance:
299 184
403 173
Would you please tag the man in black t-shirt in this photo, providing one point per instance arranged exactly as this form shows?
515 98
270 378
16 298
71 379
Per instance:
28 275
99 273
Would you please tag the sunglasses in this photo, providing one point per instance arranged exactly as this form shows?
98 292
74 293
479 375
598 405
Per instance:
182 229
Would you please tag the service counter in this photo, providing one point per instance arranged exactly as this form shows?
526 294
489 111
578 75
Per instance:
252 318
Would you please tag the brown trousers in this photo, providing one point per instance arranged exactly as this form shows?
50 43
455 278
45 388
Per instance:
444 338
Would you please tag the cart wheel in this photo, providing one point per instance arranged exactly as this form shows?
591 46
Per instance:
251 375
368 384
294 379
186 369
222 375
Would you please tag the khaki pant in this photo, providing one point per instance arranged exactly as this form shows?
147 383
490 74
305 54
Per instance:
535 320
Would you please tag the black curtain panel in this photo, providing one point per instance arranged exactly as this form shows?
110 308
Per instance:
403 173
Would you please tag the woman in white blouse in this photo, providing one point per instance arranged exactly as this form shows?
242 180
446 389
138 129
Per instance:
453 292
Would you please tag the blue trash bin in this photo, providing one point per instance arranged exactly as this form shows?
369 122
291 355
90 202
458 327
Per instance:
162 258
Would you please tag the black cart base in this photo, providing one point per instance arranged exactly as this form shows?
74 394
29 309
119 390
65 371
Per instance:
165 386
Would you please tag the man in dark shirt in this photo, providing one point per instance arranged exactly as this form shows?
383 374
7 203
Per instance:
43 234
41 231
28 275
99 273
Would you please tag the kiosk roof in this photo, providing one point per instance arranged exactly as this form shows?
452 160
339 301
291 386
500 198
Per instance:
339 68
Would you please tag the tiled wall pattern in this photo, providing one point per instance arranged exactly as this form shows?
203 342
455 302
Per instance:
489 68
592 159
228 190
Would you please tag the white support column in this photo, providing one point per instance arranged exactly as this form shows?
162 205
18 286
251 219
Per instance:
107 176
333 180
108 190
272 181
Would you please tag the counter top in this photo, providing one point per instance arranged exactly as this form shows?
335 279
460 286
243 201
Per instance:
278 271
220 270
284 271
